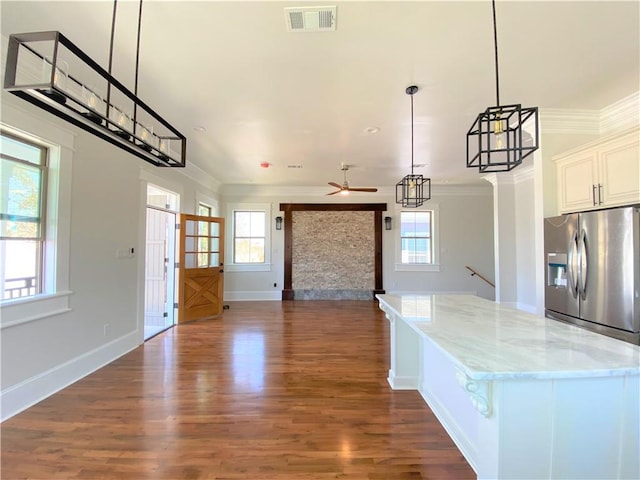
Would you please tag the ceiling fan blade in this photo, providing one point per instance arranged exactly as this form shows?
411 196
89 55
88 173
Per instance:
333 193
365 189
337 185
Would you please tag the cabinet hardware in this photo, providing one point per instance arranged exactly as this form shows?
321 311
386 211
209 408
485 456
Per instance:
593 188
599 194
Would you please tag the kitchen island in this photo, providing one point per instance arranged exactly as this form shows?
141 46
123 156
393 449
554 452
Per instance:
522 396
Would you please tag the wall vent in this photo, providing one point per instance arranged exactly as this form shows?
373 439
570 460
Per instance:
310 19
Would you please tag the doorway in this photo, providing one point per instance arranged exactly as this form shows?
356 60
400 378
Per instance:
160 275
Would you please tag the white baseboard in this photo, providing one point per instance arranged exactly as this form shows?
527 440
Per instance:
27 393
527 308
402 383
251 296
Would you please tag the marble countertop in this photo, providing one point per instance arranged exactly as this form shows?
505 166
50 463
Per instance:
489 341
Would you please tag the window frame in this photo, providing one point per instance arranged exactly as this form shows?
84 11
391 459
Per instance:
42 166
250 238
54 298
434 266
230 264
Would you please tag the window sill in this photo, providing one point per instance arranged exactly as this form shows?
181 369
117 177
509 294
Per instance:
417 267
29 309
237 267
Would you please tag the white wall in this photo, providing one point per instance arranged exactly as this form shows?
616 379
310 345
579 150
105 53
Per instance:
108 188
526 256
465 237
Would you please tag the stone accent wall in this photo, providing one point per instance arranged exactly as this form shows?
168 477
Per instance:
333 254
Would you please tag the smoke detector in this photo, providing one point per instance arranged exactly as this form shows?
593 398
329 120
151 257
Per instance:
310 19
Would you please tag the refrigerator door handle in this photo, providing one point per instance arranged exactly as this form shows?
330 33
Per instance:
584 264
573 264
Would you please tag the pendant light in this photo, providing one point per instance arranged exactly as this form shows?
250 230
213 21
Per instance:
496 142
413 190
49 71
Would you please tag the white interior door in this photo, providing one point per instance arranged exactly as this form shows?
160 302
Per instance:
159 271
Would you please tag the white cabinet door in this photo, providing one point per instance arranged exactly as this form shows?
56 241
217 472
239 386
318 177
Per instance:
619 171
601 174
576 178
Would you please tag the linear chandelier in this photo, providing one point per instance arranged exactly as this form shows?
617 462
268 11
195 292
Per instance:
49 71
496 141
413 190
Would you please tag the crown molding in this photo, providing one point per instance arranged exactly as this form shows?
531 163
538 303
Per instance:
198 175
623 114
620 115
557 120
523 174
235 190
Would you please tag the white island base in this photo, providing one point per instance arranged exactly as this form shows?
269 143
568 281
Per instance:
523 397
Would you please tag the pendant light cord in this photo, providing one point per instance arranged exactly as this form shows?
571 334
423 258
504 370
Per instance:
495 50
135 88
412 134
113 32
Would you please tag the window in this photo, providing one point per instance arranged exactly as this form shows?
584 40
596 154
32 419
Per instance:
417 245
204 210
28 133
23 169
415 237
249 237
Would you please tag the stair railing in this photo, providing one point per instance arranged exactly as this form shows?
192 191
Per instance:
473 273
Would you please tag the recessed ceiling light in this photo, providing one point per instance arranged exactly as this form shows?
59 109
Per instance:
199 128
371 130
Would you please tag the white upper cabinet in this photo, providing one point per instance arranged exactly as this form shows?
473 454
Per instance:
601 174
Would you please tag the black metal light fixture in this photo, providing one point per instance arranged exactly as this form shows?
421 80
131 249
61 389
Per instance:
48 70
413 190
278 223
387 223
496 141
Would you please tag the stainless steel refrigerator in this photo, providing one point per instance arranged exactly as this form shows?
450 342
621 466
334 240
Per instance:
592 274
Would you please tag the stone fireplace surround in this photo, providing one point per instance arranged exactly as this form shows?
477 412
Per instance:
332 251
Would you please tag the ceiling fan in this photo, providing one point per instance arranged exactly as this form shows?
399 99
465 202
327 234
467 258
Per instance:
345 188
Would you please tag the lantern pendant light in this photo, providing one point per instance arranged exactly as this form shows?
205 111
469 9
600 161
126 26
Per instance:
497 142
413 190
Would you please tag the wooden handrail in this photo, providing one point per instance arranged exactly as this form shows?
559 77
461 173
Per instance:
473 272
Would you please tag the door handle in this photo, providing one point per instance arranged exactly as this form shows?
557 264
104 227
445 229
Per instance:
573 264
584 264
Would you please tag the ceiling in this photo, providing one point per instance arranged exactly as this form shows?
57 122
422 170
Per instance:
312 100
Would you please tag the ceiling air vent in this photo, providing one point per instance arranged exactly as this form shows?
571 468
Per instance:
310 19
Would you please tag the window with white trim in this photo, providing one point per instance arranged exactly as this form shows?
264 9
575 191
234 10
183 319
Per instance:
55 220
23 179
249 235
417 240
416 245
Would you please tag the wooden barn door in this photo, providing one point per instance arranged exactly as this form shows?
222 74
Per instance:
201 267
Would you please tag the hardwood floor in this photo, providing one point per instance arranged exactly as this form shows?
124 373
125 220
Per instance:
293 390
